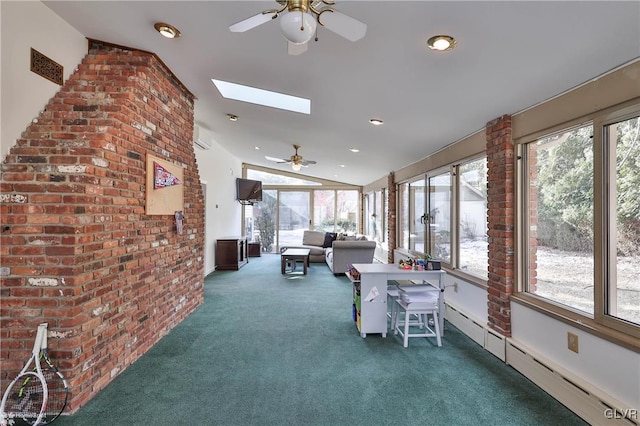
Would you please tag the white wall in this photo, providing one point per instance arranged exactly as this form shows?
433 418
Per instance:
608 367
219 170
26 25
469 298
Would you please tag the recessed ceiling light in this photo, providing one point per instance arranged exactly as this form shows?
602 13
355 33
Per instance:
263 97
341 165
168 31
376 121
354 150
232 117
441 43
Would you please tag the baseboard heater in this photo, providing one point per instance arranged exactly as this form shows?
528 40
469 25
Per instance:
590 404
488 339
594 406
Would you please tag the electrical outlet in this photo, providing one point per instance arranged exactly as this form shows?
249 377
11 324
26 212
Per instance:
572 342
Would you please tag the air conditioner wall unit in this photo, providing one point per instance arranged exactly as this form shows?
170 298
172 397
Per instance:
202 137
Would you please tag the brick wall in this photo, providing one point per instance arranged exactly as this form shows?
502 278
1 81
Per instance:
391 220
77 249
500 222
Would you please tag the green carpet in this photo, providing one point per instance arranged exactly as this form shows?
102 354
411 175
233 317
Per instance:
268 349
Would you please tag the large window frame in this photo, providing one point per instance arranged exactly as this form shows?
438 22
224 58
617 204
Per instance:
557 216
285 182
416 208
606 288
375 215
604 213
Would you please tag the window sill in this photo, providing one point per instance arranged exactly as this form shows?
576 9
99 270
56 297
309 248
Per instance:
576 320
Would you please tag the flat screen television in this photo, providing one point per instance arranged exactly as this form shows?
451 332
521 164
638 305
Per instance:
248 191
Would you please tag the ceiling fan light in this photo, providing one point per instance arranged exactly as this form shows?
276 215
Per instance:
297 167
297 27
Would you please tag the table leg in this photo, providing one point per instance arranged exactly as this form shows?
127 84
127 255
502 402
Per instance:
283 262
305 262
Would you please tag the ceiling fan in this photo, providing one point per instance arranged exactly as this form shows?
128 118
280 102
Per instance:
296 161
299 23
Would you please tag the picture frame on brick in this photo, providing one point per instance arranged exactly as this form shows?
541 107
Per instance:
164 187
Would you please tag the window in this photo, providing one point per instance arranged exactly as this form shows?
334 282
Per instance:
582 235
293 203
260 220
375 212
378 216
444 214
439 216
335 211
559 197
403 216
347 212
417 208
324 213
622 289
411 208
472 213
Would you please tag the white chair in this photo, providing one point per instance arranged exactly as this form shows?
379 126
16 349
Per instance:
392 295
420 302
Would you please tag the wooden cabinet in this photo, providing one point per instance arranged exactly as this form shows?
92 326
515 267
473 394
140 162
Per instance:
231 253
255 249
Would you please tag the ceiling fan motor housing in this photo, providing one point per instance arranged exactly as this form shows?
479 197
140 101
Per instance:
297 5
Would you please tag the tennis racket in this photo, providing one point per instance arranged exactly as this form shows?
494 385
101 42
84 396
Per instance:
25 400
57 387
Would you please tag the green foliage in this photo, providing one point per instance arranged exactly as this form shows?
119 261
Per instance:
565 189
628 186
265 214
342 225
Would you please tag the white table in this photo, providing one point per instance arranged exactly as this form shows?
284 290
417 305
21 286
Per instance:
374 278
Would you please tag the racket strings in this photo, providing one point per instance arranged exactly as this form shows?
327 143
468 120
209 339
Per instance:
57 393
25 399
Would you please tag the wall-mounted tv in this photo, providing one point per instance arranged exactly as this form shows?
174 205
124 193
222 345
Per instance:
248 191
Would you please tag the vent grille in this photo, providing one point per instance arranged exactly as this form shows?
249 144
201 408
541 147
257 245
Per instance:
46 67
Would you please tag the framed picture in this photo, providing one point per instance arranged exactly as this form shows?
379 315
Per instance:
165 187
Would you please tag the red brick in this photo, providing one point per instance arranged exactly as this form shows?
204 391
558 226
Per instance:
80 225
500 222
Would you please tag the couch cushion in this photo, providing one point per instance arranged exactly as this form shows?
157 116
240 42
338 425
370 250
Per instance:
351 237
313 250
313 238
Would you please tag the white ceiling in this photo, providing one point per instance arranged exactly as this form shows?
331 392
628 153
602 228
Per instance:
510 55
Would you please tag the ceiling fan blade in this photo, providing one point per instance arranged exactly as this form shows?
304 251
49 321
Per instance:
252 22
342 24
277 160
297 49
307 162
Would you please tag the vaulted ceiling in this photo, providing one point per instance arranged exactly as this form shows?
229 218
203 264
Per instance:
509 56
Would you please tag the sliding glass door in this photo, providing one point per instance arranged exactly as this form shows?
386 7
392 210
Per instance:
294 208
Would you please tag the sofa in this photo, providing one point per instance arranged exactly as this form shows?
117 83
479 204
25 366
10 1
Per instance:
337 250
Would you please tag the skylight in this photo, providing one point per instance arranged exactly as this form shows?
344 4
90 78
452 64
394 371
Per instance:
253 95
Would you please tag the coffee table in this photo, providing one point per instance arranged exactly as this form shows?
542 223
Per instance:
294 255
